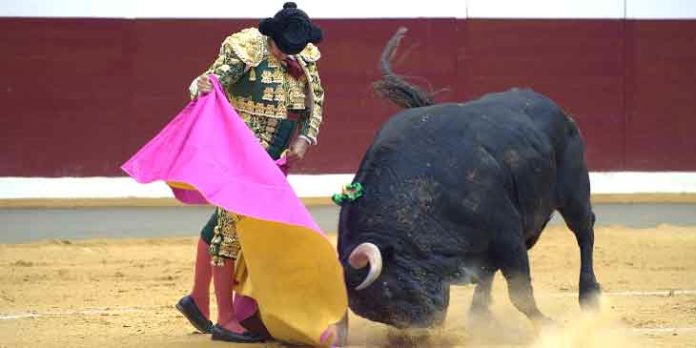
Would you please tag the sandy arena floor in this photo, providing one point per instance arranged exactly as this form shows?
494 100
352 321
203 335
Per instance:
121 293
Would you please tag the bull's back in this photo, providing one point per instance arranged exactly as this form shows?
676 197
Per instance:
501 146
503 124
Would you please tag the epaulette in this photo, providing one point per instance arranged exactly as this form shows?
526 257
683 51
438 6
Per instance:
310 54
248 45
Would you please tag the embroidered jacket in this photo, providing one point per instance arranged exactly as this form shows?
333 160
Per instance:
262 92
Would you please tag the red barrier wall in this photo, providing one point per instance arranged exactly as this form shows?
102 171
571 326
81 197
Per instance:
79 96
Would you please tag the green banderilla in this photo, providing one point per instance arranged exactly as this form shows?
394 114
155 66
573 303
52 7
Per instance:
349 193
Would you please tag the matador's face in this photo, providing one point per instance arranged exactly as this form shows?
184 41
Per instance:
276 51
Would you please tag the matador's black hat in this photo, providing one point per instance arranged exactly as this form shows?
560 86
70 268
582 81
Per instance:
291 29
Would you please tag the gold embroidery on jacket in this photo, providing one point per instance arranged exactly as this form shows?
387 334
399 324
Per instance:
225 242
266 77
279 94
249 45
259 109
268 94
295 97
246 106
278 76
270 109
273 62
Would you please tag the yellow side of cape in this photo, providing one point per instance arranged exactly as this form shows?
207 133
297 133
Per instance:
181 185
294 275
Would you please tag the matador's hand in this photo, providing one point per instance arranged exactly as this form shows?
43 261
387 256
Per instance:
204 85
297 149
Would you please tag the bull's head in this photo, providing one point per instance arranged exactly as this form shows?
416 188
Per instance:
388 279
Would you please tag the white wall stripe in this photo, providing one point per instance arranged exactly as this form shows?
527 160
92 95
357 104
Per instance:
125 187
613 9
643 182
308 185
546 9
68 8
661 9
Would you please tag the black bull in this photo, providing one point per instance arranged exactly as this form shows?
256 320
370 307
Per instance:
455 192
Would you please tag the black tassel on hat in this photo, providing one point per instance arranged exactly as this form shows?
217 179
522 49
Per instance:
291 29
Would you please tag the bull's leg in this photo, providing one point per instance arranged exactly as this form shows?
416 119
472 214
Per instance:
575 207
481 301
580 220
514 264
439 319
480 317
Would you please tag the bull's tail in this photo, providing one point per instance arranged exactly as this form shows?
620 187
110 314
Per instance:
394 87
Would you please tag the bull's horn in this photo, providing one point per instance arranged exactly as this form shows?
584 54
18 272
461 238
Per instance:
362 255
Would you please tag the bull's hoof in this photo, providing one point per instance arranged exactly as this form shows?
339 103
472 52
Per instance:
482 318
542 323
589 296
483 326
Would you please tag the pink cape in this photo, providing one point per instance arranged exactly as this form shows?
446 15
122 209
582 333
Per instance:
207 154
208 146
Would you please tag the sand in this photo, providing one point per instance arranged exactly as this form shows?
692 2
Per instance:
121 293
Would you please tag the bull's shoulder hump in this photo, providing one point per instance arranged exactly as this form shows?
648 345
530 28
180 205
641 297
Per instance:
435 109
408 121
511 96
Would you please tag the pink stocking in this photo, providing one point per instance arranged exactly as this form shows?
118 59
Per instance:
223 279
201 279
